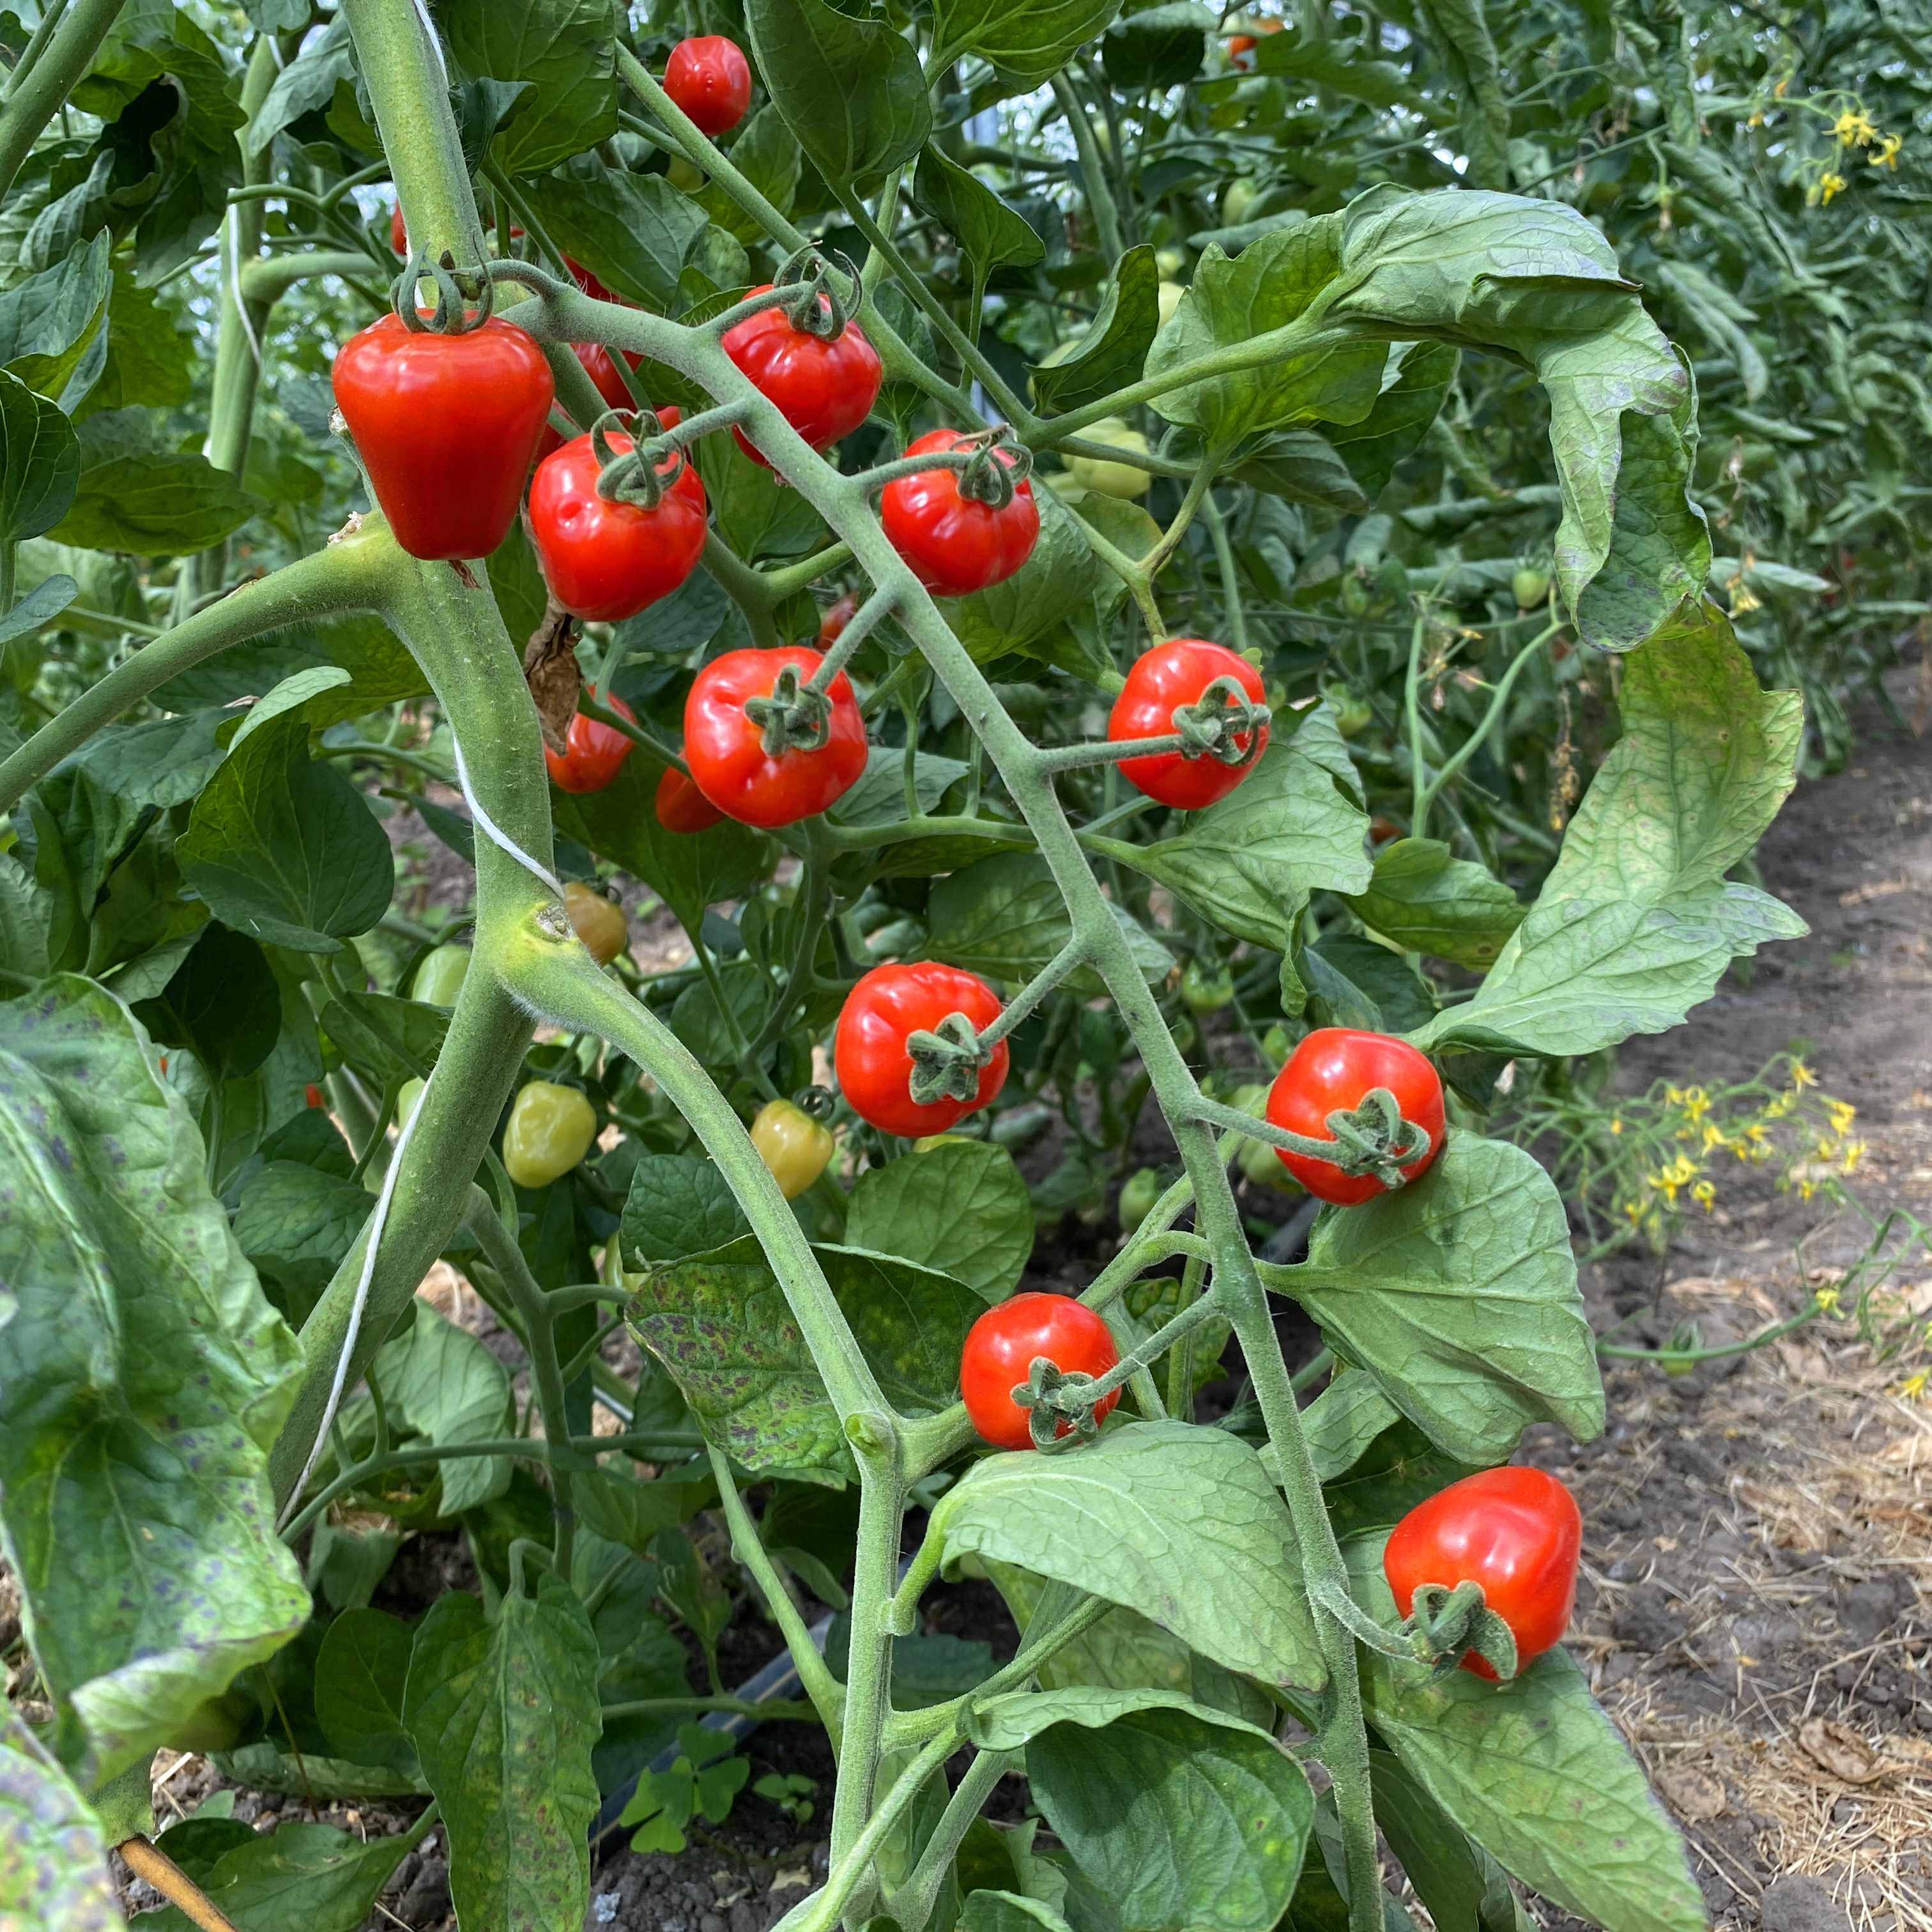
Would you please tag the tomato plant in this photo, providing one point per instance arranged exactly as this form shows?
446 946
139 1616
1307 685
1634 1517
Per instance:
1364 349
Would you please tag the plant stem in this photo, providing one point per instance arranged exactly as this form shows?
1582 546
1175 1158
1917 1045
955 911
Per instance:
1099 195
1425 795
36 95
147 1861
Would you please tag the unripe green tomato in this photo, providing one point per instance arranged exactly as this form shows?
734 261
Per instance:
1111 479
407 1100
1143 1189
1530 587
927 1142
792 1145
1260 1163
1236 203
599 922
1168 295
1249 1098
1206 990
440 978
686 175
1353 594
551 1130
1276 1044
1353 715
1170 262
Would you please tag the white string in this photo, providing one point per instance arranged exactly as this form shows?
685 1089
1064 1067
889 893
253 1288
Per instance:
234 283
436 46
356 1307
495 833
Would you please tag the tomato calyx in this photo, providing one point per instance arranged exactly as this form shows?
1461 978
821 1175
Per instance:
1373 1138
1223 724
642 473
465 298
947 1060
1444 1624
795 716
1061 1403
809 291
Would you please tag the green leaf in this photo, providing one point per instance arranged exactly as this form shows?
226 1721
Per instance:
767 154
360 1673
380 671
50 324
143 1379
991 232
850 86
757 514
989 1911
148 502
1302 467
1231 300
720 1324
1414 381
262 1767
962 1208
1534 1771
1468 51
1178 1522
1458 1294
1636 923
1294 826
632 1514
53 1864
634 231
565 49
443 1384
40 462
504 1715
1321 64
1426 900
1160 46
306 84
41 605
394 1038
1183 1818
1004 918
1111 351
1355 982
1534 281
164 761
1031 42
878 798
1457 1881
1342 1422
223 1003
678 1205
286 849
324 1879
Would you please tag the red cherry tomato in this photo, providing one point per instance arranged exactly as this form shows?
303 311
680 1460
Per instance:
710 79
311 1094
606 561
1163 681
1516 1531
399 235
682 807
955 543
832 627
1240 47
446 426
824 390
603 372
999 1353
1330 1071
595 752
726 752
869 1049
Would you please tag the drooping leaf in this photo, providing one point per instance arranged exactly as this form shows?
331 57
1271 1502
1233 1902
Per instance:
1533 1771
1414 381
993 233
1177 1522
1029 43
1458 1294
504 1715
40 461
962 1208
1637 922
1426 900
1114 346
143 1379
564 49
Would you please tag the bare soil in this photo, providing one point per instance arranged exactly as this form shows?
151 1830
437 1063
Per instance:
1756 1608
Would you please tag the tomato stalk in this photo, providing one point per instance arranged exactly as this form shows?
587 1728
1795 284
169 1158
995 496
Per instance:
864 621
1373 1138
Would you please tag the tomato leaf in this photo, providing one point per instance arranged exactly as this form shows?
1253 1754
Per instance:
678 1206
1535 1773
360 1673
1426 900
1458 1294
40 461
443 1385
564 49
633 232
331 1878
1115 344
961 1207
223 1003
141 1361
1028 40
1636 921
993 233
52 325
504 1715
53 1856
1178 1522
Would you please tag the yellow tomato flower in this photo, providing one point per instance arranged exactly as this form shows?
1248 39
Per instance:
1854 1152
1616 1126
1829 184
1801 1075
1854 129
1913 1389
1886 154
1826 1300
1843 1115
1704 1195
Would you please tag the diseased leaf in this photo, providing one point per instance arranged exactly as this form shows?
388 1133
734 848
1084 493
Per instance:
53 1864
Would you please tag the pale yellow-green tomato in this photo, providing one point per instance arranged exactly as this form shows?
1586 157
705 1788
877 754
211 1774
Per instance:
792 1145
927 1142
684 174
551 1130
1236 203
598 921
1111 479
1052 359
1169 294
407 1099
440 978
1170 262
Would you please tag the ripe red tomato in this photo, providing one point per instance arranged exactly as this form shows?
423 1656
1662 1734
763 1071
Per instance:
606 561
824 390
954 543
596 751
1516 1531
832 627
311 1094
869 1049
399 235
1163 681
445 425
1331 1070
726 752
998 1358
710 79
681 807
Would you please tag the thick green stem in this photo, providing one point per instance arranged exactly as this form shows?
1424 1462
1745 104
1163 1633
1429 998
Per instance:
346 574
1099 195
268 278
38 94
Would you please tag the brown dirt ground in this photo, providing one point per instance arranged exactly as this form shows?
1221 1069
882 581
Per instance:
1756 1607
